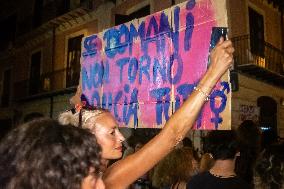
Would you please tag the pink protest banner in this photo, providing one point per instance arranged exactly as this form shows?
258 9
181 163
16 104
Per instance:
143 70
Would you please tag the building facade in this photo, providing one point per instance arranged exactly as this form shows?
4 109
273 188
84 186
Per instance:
41 49
257 33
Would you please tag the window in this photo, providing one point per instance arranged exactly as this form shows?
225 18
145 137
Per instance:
73 61
38 9
5 100
7 32
268 119
256 33
120 19
34 81
63 7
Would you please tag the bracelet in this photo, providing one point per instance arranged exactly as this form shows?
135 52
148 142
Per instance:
207 96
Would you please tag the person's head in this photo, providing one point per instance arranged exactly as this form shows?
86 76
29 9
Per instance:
187 142
138 146
249 137
270 169
102 124
177 166
44 154
33 116
222 144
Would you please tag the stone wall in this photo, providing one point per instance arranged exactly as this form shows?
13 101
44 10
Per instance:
250 90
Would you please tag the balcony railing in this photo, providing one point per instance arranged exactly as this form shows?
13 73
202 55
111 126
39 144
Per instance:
272 59
49 82
51 19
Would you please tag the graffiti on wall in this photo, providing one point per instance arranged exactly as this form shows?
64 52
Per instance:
143 70
249 112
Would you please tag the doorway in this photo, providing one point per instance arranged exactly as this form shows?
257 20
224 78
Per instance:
268 119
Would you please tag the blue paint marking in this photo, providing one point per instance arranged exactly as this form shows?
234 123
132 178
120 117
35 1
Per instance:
111 37
107 101
123 31
177 102
190 4
90 45
110 101
215 109
188 31
184 90
152 26
159 68
133 33
175 33
175 79
95 79
97 74
132 69
86 80
96 98
126 88
116 102
105 72
165 27
131 109
162 97
199 119
117 40
104 101
164 31
144 68
121 63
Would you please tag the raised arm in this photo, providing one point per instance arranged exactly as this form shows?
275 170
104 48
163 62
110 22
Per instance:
126 171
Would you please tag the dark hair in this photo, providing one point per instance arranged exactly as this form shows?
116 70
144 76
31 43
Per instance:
32 116
44 154
270 169
187 142
249 137
221 144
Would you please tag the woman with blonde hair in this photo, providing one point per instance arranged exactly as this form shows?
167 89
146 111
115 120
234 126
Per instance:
104 126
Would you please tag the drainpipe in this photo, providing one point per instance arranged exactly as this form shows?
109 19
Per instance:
51 107
282 28
52 69
53 48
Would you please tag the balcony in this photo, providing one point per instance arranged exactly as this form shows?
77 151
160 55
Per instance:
58 82
52 17
267 67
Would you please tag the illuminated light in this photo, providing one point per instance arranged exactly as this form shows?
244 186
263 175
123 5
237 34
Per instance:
265 128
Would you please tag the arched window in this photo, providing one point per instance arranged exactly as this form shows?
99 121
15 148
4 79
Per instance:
268 119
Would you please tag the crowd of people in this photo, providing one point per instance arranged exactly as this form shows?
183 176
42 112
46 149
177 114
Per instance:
75 151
